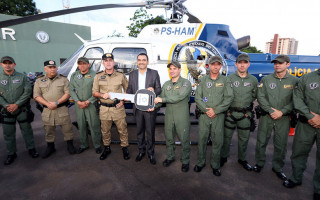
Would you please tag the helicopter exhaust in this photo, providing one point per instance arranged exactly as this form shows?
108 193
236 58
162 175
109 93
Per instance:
243 42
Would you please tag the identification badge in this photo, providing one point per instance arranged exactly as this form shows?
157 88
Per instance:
209 84
272 86
313 85
205 99
177 87
4 82
79 76
43 80
245 84
288 87
103 77
169 87
236 83
260 85
87 76
16 81
219 84
185 84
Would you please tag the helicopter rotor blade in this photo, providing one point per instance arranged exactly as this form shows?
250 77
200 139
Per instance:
192 18
31 18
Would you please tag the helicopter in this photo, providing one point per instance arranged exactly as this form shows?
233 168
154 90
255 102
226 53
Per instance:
190 44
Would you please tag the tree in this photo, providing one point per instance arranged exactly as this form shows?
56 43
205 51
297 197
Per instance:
140 20
115 34
251 49
18 7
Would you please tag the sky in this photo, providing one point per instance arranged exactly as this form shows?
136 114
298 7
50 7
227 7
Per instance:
299 19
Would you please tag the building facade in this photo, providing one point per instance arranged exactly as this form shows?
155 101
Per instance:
282 45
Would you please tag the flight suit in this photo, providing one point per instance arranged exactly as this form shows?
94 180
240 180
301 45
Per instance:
218 95
306 98
116 82
52 90
15 89
177 117
81 90
239 114
276 93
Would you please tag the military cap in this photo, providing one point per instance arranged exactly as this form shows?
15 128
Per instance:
244 57
8 58
107 55
281 59
49 63
214 59
83 59
174 63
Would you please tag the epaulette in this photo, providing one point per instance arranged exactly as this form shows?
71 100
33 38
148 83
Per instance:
62 75
99 72
40 76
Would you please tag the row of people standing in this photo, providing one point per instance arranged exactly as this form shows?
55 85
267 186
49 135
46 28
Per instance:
215 95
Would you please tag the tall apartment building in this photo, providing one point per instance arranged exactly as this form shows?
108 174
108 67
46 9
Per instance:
282 45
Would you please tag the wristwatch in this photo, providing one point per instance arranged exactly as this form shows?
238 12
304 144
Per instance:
57 103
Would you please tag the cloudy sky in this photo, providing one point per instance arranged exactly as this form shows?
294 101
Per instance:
260 19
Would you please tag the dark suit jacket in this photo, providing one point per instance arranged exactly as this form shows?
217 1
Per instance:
152 80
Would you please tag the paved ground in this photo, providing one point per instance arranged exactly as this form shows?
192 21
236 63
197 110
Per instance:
84 176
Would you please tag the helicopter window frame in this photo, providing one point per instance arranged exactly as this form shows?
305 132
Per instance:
223 33
95 66
124 54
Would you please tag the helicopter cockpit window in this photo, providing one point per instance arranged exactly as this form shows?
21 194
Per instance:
223 33
67 65
94 56
126 58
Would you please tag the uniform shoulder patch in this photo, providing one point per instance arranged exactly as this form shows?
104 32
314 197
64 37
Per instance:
99 72
40 76
62 75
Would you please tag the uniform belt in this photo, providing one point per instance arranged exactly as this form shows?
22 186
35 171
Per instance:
60 105
240 109
110 104
303 119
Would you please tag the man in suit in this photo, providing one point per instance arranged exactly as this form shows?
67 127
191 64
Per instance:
144 78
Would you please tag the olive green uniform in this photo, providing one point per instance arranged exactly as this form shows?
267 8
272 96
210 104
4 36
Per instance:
239 114
81 90
177 118
15 89
52 90
218 95
276 93
104 83
306 98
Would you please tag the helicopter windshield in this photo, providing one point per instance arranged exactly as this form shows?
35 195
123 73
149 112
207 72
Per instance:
67 65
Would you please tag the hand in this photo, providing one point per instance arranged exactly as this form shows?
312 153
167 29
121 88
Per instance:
12 108
151 89
210 113
315 121
106 96
119 104
150 110
157 100
52 105
82 104
277 114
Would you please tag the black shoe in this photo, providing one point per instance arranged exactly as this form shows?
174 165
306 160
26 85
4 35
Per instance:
290 184
257 168
49 150
245 165
33 153
125 152
10 159
152 160
105 152
216 172
280 175
185 167
80 150
167 163
70 147
316 196
139 157
197 168
222 161
98 150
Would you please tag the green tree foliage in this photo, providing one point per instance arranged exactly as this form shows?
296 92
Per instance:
18 7
251 49
141 19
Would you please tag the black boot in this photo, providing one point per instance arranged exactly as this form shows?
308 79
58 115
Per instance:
125 152
105 152
50 150
70 147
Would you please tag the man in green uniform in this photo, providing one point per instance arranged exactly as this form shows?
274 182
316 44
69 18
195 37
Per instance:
81 83
176 94
275 98
239 114
213 97
15 93
52 91
306 100
111 110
